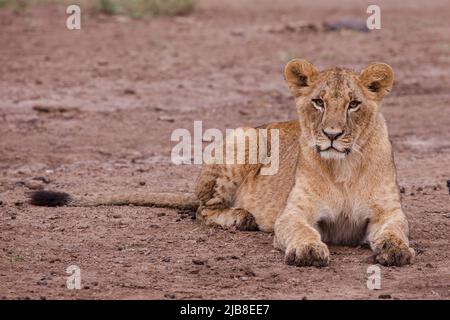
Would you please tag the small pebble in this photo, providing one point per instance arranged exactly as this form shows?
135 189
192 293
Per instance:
166 118
198 262
129 91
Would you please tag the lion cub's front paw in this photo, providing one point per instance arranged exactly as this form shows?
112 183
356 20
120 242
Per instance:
307 254
393 252
245 221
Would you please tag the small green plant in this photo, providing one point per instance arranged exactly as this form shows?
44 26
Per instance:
15 4
15 257
108 7
132 8
139 8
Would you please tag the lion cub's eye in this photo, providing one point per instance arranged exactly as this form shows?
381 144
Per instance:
318 103
354 104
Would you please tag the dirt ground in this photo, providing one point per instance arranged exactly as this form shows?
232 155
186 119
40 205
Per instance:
92 111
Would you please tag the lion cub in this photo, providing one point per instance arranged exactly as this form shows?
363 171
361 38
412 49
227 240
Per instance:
336 181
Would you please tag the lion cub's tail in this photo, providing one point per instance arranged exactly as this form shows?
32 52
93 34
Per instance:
186 201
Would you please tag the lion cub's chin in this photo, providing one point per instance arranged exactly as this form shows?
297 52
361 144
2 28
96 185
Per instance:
332 154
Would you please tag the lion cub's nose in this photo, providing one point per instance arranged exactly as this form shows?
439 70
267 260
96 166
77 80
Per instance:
333 134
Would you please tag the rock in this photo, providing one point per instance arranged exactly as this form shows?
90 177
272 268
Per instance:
34 185
203 239
348 23
142 183
237 32
129 91
25 170
249 272
166 118
160 214
55 109
384 296
402 190
42 179
102 63
199 262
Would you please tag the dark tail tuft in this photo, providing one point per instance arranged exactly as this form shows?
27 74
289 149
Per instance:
49 198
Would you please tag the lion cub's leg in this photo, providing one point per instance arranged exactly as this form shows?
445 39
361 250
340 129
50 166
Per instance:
300 242
229 218
216 189
387 234
296 236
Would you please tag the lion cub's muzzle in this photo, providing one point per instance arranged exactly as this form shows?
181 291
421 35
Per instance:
332 144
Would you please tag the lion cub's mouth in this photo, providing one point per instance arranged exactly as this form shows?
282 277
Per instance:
332 152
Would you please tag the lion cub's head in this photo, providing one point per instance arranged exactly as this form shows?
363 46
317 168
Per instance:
337 107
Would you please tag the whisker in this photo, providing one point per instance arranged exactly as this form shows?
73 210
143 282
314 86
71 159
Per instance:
357 149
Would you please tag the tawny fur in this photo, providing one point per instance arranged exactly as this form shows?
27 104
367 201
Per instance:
345 196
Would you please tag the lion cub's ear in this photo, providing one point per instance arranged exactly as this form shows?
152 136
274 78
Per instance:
299 74
377 79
